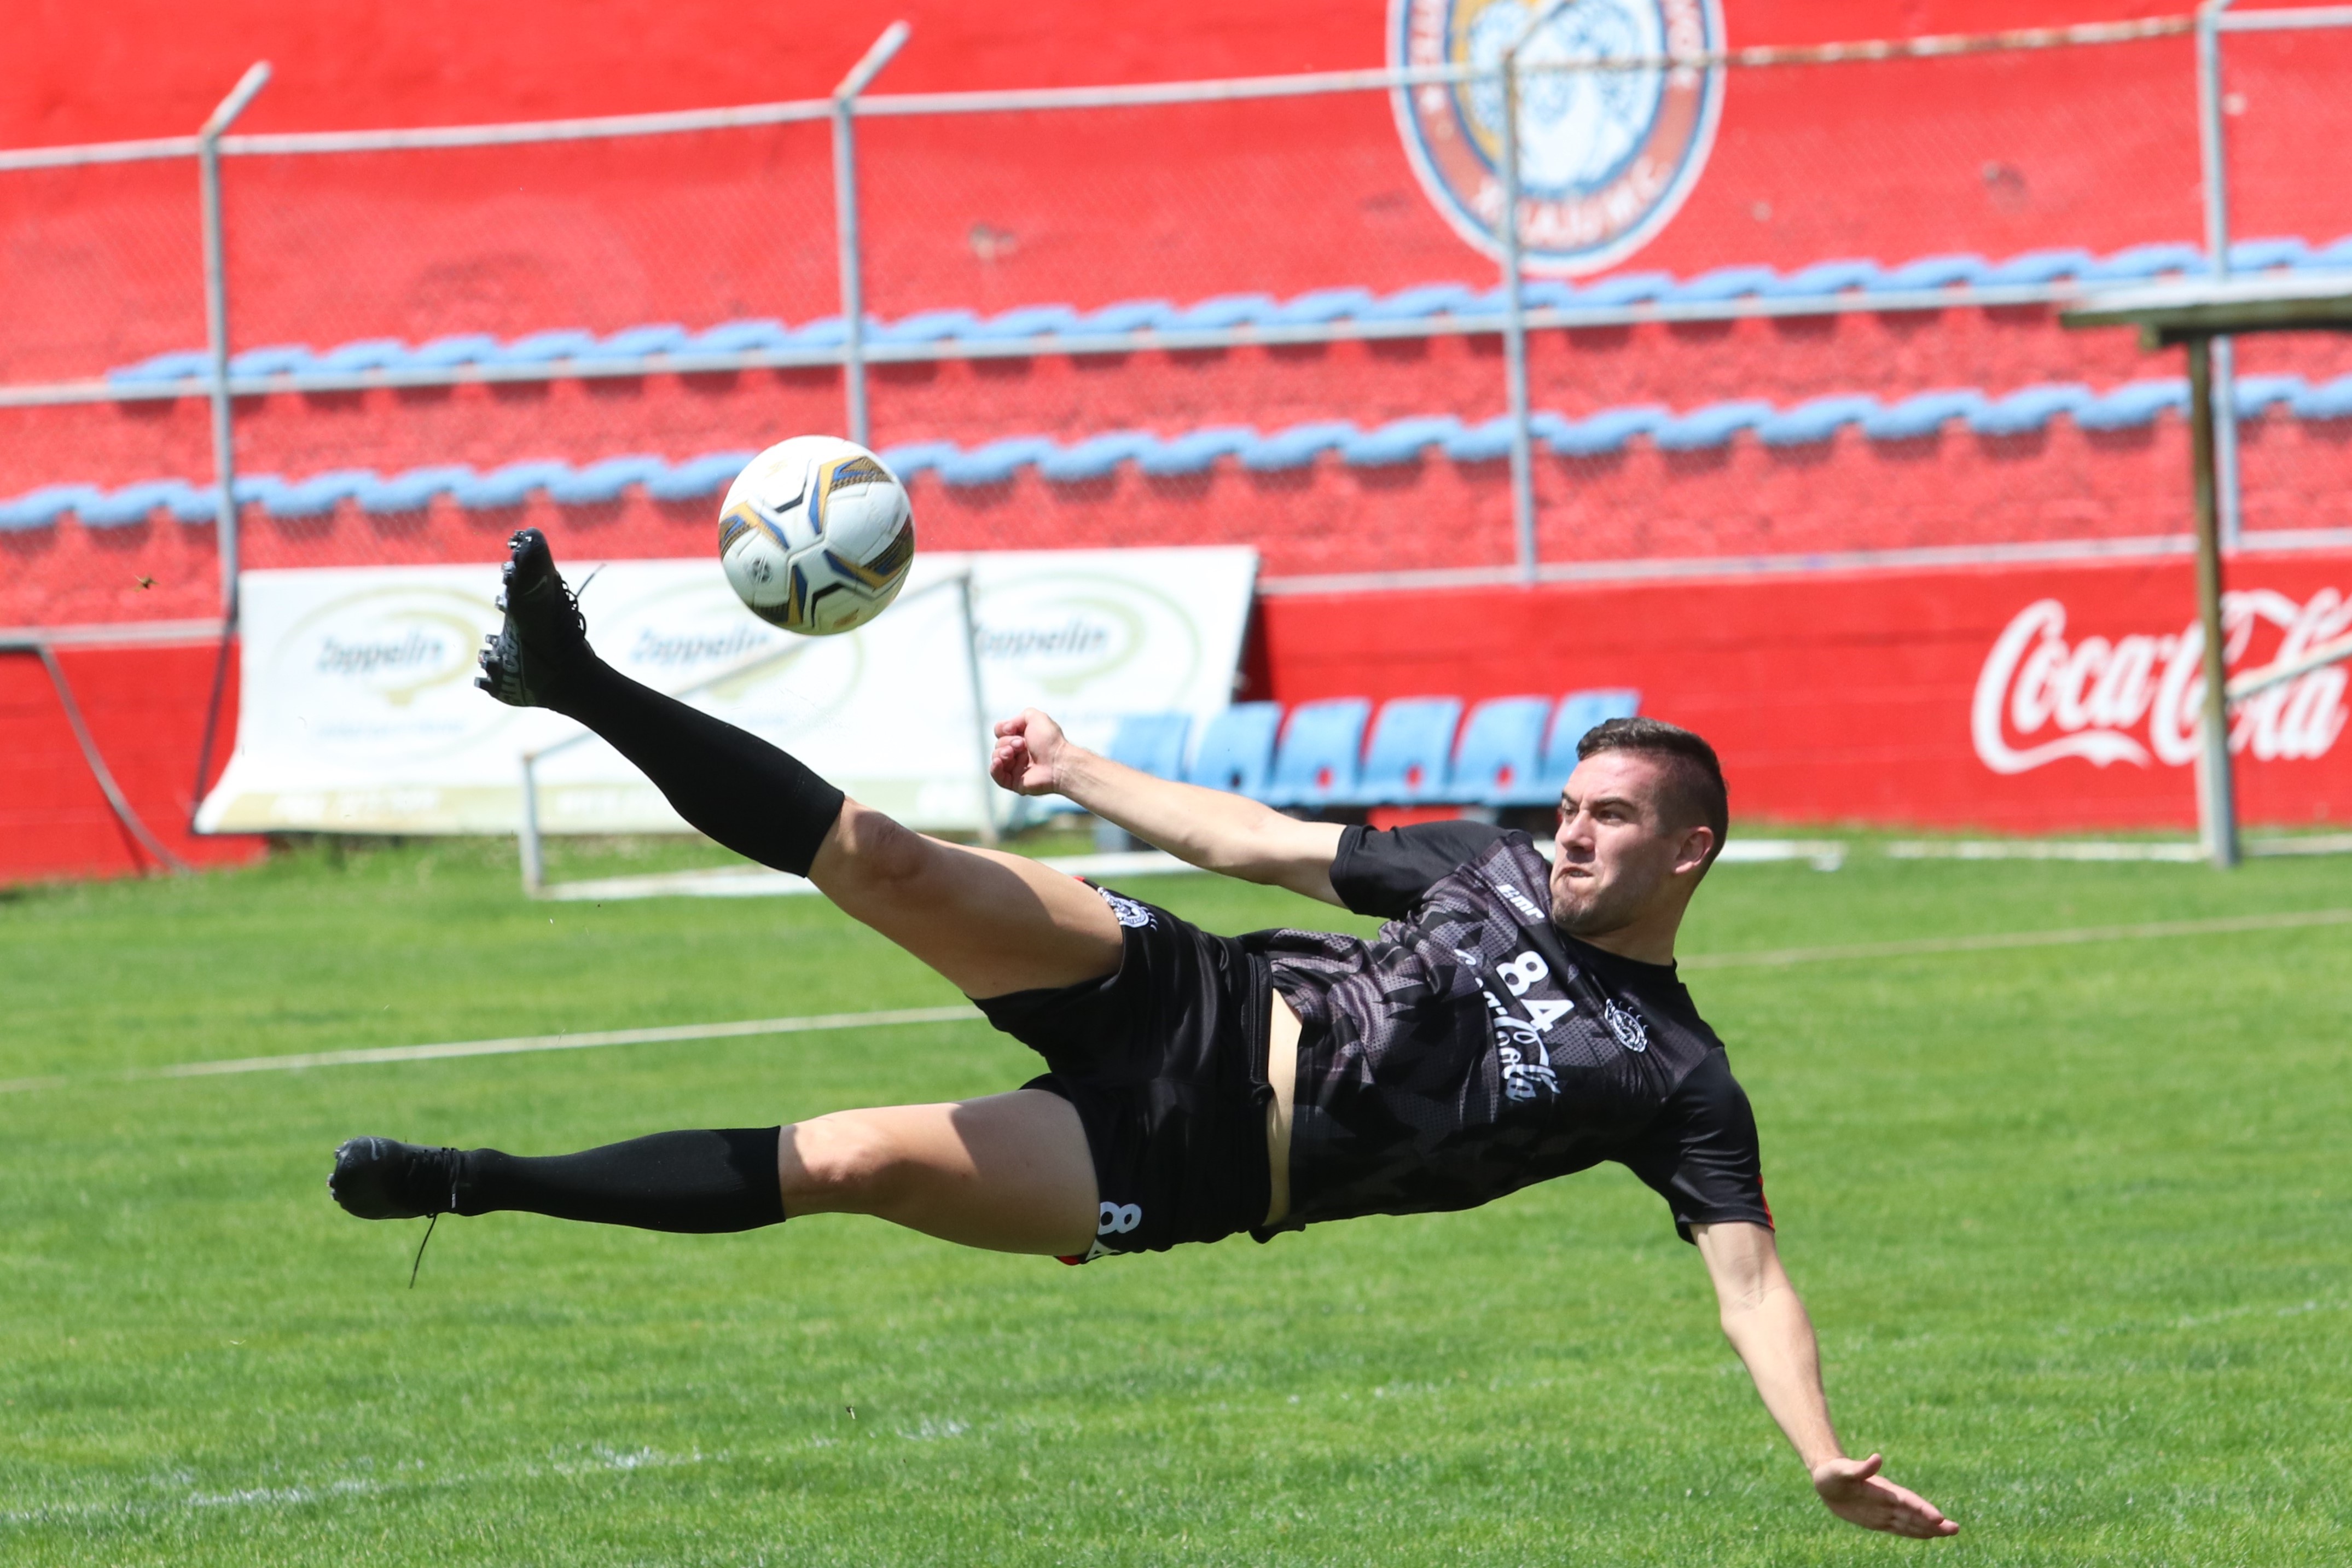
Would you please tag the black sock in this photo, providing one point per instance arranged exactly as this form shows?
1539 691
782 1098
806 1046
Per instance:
755 798
695 1183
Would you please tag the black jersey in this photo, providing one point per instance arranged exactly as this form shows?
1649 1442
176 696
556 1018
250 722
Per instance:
1472 1048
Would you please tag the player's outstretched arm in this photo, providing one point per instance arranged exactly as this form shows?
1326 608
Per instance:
1204 828
1766 1323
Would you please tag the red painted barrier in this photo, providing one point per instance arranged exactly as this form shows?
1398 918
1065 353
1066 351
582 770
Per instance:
1833 696
146 709
2017 699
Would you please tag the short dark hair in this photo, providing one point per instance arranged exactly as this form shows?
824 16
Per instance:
1695 790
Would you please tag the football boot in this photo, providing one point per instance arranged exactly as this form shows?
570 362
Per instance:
380 1178
543 642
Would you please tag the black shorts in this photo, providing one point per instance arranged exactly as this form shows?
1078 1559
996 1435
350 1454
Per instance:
1165 1063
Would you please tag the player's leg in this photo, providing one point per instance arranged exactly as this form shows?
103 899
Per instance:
992 923
1011 1172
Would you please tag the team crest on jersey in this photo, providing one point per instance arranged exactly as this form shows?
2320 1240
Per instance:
1129 911
1606 157
1626 1025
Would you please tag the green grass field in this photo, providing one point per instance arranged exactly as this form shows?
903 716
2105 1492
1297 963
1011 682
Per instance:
2070 1220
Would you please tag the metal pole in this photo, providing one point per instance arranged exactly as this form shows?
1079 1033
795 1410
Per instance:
116 800
533 854
2216 797
208 179
1515 318
2214 155
988 832
844 198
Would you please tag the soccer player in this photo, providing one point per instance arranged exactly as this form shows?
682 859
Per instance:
1513 1022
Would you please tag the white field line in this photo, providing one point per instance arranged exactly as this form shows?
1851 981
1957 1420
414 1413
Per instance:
1993 941
524 1043
2045 849
1996 941
2102 849
1825 854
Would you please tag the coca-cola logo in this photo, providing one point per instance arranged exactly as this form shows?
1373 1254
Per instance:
2137 698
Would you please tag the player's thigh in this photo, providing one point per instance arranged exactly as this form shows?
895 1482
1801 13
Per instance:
1011 1172
989 921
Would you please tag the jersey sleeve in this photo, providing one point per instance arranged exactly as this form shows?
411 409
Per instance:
1701 1154
1384 871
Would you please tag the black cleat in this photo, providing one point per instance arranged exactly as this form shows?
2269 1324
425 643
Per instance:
544 639
378 1178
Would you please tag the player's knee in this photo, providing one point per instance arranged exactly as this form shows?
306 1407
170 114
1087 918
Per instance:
844 1163
877 850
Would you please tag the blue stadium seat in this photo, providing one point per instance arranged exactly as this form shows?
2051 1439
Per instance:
1500 760
1579 712
1152 743
1237 750
1317 762
1405 761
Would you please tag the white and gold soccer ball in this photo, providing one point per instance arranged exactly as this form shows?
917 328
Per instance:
816 535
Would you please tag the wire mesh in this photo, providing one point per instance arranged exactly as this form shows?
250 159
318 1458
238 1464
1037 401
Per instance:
2286 118
1177 201
596 237
1068 216
1987 154
122 553
99 266
1352 417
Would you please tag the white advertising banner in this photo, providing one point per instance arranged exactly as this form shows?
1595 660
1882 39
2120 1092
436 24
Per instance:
358 711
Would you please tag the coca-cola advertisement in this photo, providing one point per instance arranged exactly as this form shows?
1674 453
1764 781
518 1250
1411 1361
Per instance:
2136 698
2016 698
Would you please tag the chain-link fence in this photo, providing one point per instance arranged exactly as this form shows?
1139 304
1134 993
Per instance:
1773 306
2281 117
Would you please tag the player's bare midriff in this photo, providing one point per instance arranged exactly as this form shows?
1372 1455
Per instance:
1282 1074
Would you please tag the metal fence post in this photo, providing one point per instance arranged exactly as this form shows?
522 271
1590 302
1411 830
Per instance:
1514 322
2217 795
1515 306
208 179
844 198
2214 155
989 831
529 849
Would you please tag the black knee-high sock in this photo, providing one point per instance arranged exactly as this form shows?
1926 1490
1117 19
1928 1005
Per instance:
695 1183
755 798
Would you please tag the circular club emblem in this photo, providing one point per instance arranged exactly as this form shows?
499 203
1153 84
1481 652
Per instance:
1605 156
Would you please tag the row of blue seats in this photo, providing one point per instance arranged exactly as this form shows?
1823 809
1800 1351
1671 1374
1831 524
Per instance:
409 491
1823 280
995 462
1511 751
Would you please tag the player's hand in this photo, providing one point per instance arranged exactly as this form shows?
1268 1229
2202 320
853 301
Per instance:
1858 1494
1028 753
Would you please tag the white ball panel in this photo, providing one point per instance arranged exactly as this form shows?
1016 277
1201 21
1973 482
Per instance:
816 535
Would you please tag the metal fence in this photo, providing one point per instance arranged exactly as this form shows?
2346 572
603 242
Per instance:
390 345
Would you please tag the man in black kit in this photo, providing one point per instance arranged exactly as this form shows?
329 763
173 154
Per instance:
1512 1022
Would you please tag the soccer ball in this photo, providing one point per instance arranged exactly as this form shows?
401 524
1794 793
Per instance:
816 535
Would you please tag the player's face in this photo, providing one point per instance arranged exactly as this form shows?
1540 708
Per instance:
1617 855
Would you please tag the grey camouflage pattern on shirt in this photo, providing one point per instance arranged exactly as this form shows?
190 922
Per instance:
1449 1060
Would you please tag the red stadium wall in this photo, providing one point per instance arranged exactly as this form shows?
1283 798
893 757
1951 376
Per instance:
1834 697
2087 148
1853 697
145 709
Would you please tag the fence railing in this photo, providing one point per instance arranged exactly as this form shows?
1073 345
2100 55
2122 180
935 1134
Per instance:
837 326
